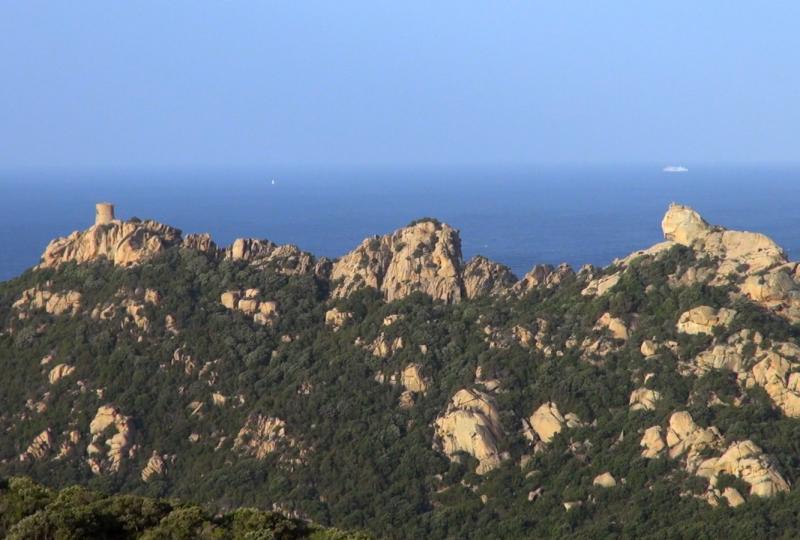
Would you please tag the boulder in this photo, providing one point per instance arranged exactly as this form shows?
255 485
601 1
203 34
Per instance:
547 421
39 447
683 225
746 460
605 480
200 242
703 320
155 467
644 399
775 286
412 379
615 326
471 424
230 299
705 455
649 348
735 252
733 497
336 319
601 285
119 443
248 306
59 372
652 442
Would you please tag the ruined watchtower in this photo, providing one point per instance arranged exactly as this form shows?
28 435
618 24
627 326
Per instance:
104 213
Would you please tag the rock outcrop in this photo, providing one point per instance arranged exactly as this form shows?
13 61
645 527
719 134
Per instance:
543 276
616 327
644 399
287 259
156 466
546 422
52 302
483 277
423 257
262 435
732 249
264 312
703 320
411 379
605 480
200 242
336 319
123 243
119 443
652 442
59 372
697 447
41 445
750 261
471 424
773 367
385 347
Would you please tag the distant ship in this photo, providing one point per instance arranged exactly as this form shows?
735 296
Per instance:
675 168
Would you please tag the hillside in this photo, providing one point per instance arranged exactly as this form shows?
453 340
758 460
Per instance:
403 390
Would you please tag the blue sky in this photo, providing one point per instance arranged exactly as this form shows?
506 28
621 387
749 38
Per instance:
226 84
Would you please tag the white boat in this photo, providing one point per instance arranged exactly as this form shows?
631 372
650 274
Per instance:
675 168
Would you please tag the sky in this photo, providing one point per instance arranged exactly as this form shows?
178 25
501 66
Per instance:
194 84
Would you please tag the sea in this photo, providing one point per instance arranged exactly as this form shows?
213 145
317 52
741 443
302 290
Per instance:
519 216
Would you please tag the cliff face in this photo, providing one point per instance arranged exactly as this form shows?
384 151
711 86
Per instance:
423 257
124 243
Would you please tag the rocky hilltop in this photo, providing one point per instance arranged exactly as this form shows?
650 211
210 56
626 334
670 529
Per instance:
404 390
423 257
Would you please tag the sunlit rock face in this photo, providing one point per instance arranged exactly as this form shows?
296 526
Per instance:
471 424
483 277
124 243
703 452
423 257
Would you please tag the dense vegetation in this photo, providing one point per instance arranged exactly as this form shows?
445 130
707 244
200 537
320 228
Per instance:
30 510
370 464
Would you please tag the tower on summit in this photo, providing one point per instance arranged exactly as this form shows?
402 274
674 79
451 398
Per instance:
104 213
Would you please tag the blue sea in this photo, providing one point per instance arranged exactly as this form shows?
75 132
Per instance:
518 216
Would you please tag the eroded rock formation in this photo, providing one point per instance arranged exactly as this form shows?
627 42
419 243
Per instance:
704 454
483 277
546 422
119 444
703 320
264 312
52 302
424 257
123 243
471 424
287 259
262 435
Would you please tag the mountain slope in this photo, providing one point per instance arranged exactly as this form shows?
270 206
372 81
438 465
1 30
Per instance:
403 390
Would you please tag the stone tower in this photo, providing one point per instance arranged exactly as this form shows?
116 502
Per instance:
104 213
